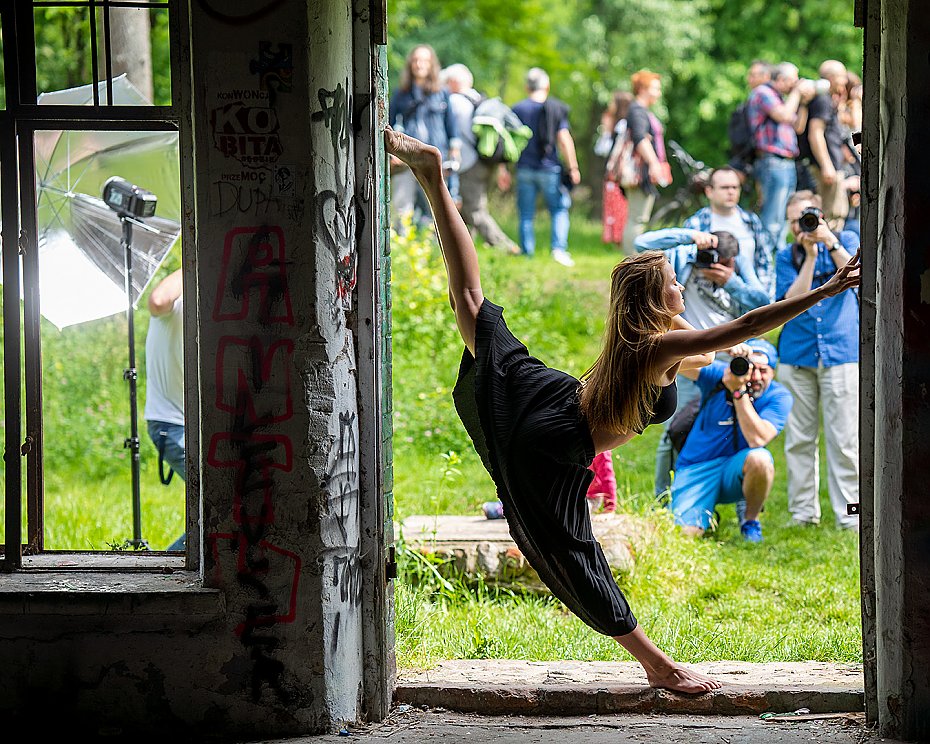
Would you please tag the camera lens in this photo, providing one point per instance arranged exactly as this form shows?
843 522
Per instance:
739 366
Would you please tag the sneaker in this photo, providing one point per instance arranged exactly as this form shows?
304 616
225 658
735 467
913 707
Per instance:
493 509
751 530
562 257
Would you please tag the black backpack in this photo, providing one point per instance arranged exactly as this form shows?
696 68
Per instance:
739 132
680 425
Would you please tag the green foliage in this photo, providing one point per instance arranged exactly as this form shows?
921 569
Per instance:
86 410
63 51
702 48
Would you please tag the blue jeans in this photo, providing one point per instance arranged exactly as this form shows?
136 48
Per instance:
169 441
777 178
531 183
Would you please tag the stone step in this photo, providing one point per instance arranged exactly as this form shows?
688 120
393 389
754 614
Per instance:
474 547
509 687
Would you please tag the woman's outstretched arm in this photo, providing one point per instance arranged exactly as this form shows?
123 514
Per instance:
458 250
678 344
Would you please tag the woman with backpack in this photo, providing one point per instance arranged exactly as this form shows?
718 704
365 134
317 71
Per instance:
537 429
422 109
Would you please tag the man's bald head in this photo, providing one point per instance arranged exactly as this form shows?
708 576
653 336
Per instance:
830 68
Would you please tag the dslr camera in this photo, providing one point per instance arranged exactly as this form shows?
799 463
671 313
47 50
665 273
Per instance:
740 365
705 257
810 219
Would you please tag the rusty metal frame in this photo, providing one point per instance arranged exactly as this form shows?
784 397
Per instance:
19 121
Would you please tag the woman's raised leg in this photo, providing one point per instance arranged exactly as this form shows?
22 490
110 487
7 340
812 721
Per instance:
458 250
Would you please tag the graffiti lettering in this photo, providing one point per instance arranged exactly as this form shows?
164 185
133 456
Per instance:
254 261
252 380
334 114
247 133
348 577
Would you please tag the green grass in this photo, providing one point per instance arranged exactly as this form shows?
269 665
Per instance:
793 597
85 404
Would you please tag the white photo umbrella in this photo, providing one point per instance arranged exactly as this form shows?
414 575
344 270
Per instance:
81 260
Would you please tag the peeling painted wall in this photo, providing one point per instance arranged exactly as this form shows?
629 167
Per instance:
280 477
902 371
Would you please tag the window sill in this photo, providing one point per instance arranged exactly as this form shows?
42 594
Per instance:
115 585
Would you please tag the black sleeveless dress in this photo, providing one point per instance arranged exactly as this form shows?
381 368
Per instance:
524 420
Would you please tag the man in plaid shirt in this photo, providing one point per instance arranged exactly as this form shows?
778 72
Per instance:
773 116
725 213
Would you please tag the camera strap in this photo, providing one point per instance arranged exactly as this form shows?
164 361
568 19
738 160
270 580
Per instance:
162 439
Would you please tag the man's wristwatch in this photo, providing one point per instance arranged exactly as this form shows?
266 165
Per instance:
738 393
835 247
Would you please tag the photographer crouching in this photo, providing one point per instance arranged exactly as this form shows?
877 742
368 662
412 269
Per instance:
820 366
724 459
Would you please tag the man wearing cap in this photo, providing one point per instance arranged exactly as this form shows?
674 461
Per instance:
724 459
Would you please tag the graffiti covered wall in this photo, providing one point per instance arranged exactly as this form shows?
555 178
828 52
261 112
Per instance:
276 261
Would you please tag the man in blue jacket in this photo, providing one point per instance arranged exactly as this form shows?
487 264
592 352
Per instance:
720 285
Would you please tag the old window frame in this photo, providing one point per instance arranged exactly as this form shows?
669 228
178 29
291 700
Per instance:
19 122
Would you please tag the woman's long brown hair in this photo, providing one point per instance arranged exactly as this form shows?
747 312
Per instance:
432 83
617 393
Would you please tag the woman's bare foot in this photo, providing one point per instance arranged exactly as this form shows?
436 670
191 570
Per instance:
681 679
420 157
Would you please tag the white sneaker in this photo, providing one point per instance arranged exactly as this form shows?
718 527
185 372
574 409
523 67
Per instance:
562 257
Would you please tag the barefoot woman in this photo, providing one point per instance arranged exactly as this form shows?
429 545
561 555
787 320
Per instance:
537 429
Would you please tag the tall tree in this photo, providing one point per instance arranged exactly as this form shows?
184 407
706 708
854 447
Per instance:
130 47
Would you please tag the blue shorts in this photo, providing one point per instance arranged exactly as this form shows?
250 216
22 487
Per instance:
699 487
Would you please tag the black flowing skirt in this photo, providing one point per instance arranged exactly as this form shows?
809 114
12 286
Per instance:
524 420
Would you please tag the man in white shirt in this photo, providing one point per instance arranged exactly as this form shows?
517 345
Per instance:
164 376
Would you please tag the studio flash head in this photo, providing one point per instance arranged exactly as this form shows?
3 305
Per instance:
128 200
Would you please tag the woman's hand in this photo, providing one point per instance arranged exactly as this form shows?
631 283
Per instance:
846 277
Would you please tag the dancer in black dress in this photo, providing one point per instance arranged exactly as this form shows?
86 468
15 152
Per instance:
537 429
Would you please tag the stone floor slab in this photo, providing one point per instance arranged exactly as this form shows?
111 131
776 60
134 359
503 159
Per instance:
507 687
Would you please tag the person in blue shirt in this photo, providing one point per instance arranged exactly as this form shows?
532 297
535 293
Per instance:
713 294
820 366
724 459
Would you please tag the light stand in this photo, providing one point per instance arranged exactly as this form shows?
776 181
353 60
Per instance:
131 202
131 374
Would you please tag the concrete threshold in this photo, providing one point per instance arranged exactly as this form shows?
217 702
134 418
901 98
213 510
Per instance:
507 687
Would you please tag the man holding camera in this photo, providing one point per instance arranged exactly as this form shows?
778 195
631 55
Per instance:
773 114
724 459
720 285
724 213
820 366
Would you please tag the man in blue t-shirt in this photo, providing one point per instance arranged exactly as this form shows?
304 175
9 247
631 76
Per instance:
724 459
540 170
